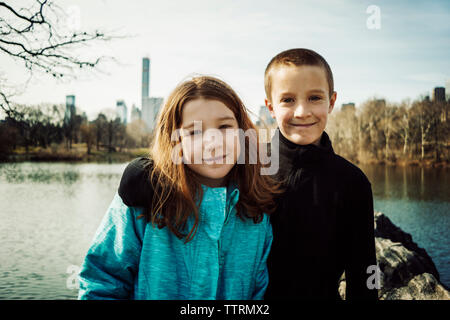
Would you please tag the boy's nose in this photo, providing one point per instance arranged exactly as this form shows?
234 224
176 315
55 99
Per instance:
301 111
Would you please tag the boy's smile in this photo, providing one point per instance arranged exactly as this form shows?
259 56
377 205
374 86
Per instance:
300 102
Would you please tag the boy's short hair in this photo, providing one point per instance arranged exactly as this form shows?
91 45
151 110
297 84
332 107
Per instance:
297 57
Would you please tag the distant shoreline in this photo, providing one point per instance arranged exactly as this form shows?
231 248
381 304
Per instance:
78 153
117 157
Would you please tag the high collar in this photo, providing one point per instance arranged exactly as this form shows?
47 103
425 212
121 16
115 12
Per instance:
296 156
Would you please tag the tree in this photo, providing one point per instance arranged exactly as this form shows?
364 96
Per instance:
37 35
371 126
404 124
100 125
88 134
343 131
137 134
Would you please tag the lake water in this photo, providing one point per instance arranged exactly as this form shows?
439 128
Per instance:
50 211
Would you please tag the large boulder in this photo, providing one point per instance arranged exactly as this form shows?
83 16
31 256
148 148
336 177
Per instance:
407 271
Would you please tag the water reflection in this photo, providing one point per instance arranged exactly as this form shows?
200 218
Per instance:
45 173
49 213
409 183
14 173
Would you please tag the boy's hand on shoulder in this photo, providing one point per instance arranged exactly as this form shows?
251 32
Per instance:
135 188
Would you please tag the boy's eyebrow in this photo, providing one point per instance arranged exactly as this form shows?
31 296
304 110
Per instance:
287 93
218 119
317 91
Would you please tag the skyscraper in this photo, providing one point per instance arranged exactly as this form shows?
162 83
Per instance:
265 116
135 113
145 78
439 94
447 90
121 111
150 105
70 109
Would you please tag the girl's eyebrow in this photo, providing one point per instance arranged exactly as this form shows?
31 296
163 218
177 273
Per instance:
217 119
225 118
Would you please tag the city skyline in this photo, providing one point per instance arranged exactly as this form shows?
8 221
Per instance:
407 56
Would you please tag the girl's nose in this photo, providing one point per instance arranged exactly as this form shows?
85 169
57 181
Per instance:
212 139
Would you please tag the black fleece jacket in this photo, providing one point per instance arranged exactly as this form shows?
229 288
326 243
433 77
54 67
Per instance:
323 225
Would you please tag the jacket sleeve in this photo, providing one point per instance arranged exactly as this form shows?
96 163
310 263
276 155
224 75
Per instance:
112 261
262 274
360 248
135 188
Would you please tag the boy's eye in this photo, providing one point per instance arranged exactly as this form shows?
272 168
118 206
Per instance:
315 98
287 100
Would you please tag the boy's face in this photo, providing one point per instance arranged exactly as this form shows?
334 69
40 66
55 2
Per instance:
300 102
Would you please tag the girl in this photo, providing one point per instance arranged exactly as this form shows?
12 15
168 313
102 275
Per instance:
201 230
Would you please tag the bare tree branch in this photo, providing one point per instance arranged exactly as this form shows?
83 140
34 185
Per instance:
41 39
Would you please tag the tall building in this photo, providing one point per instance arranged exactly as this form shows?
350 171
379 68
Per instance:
121 111
150 105
70 108
447 90
150 110
265 118
439 94
145 79
135 113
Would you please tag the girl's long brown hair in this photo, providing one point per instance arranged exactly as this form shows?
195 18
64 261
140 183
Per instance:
175 185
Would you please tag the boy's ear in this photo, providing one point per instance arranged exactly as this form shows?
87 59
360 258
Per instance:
270 107
332 101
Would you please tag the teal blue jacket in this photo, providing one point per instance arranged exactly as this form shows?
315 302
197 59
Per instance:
131 259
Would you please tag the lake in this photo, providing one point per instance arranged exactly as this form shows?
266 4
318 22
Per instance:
49 213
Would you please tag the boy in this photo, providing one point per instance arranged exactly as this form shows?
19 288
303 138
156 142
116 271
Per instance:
324 223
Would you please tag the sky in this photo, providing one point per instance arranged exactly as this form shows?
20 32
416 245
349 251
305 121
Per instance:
407 56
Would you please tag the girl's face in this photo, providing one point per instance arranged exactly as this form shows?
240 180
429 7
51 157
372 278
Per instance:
209 140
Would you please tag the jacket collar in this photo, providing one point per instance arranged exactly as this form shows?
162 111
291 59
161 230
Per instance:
296 156
217 207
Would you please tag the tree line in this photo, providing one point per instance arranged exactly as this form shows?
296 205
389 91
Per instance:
46 125
388 132
376 131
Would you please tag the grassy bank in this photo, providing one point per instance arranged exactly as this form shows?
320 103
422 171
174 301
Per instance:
428 163
78 153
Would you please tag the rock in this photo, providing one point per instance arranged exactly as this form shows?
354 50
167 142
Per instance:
385 229
407 271
422 287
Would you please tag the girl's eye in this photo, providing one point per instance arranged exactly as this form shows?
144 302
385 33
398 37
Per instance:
224 126
195 132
